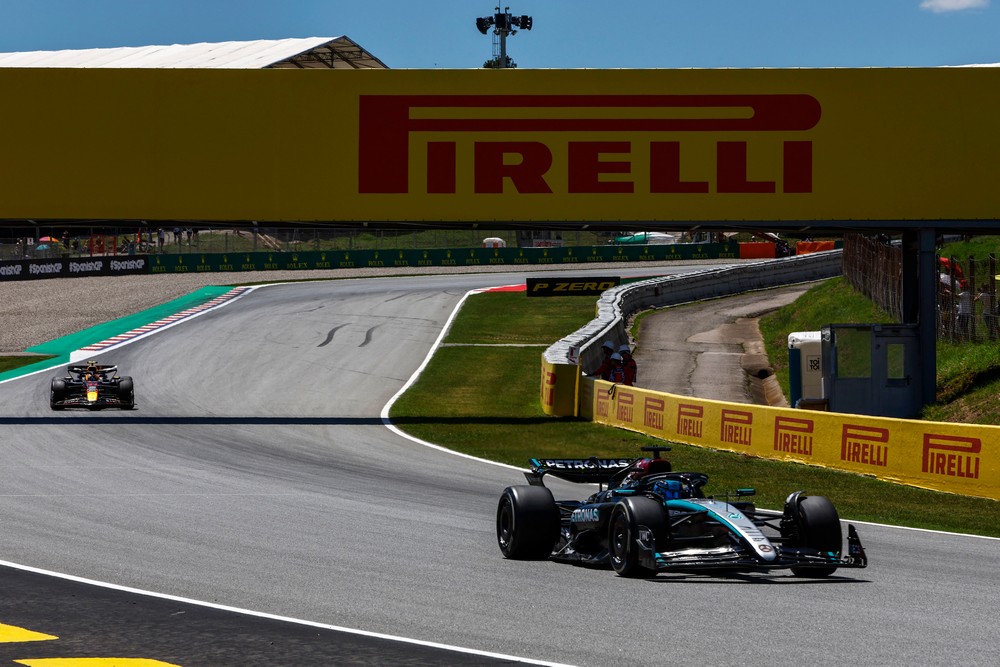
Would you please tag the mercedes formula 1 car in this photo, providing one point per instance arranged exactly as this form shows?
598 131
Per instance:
93 386
645 518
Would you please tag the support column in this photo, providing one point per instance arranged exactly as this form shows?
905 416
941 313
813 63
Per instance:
910 304
927 317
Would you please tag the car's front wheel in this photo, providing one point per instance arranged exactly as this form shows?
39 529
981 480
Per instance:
126 393
57 394
817 527
527 523
623 534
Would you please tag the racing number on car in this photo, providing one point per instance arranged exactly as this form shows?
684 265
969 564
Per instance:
10 634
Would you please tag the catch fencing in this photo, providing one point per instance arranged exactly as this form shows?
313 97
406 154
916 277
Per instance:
968 309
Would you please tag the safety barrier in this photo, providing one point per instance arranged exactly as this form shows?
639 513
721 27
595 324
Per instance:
354 259
615 306
957 458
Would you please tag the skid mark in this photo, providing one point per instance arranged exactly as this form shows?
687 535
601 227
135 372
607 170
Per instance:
368 335
329 336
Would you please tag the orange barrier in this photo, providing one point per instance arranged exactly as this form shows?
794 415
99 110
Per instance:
957 458
757 250
804 247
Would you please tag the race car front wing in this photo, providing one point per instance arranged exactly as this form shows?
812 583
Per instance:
739 557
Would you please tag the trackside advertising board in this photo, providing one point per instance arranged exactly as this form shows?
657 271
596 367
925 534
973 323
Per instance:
568 286
352 259
75 267
959 458
485 145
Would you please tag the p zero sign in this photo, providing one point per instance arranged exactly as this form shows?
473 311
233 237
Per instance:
552 286
565 146
598 160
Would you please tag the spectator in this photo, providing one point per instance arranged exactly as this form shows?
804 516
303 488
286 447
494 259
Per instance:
604 370
628 363
161 237
189 233
177 235
989 300
966 312
617 374
946 306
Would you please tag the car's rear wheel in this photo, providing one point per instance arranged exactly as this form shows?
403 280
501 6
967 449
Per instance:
818 527
527 523
626 518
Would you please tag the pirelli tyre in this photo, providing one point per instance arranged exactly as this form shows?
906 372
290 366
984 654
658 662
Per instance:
628 518
817 526
57 393
527 523
126 393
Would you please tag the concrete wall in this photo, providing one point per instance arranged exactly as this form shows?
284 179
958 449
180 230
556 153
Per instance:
616 305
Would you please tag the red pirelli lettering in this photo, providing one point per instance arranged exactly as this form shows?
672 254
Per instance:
736 427
387 122
793 435
952 456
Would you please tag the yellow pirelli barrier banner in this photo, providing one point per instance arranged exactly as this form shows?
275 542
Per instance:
538 145
958 458
559 388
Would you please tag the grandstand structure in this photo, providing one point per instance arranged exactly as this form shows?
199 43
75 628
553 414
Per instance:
293 53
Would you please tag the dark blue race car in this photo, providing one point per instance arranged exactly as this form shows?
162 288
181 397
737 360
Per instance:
646 518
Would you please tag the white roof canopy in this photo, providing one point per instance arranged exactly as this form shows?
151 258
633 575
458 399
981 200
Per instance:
309 52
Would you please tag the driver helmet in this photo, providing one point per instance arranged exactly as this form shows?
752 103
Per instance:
92 367
639 470
669 488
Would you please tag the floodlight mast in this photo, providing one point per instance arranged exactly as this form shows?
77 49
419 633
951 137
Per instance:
503 24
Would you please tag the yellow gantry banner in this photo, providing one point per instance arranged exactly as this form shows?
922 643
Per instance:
959 458
483 145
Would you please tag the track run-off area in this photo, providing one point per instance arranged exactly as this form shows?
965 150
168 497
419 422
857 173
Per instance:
257 478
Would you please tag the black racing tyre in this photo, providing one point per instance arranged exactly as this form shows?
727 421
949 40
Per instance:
527 523
57 393
626 518
818 528
126 393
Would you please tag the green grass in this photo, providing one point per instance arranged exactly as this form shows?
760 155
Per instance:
10 362
493 412
968 374
483 401
830 302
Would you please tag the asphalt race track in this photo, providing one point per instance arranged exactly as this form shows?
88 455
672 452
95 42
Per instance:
257 474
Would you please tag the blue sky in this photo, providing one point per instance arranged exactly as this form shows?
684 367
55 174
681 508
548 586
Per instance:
565 33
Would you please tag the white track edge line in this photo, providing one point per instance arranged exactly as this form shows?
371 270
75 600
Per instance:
437 343
276 617
287 619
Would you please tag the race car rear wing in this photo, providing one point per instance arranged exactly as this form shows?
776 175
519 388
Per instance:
79 369
583 471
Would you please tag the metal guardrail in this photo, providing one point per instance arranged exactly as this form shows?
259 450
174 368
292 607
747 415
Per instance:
616 305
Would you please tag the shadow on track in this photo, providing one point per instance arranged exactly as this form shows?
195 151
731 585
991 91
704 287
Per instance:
128 418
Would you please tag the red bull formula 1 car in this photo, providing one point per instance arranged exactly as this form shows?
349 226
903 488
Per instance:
93 386
647 518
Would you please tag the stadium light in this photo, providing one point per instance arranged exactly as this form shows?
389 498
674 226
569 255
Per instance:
503 24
